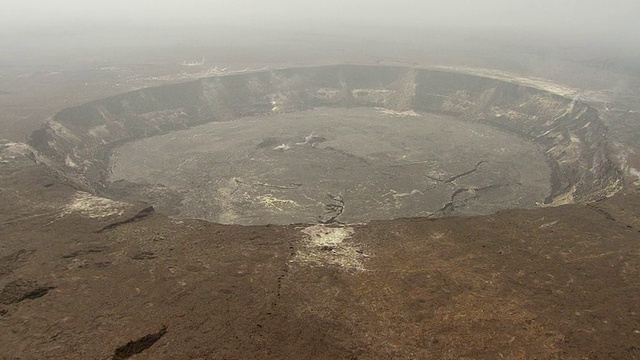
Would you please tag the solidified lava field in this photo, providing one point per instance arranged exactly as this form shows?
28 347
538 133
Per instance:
330 164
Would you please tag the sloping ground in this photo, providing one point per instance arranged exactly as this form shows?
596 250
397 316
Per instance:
85 277
77 142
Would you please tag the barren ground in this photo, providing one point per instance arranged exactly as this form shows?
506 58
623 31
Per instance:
84 277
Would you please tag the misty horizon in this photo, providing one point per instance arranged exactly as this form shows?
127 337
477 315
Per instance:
614 21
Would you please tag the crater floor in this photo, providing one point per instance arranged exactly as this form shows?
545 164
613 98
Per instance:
331 164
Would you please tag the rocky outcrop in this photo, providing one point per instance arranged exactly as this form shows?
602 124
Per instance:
77 142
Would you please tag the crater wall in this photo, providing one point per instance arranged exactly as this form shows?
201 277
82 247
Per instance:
77 142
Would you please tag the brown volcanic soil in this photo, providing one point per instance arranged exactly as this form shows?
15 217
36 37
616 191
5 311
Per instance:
80 283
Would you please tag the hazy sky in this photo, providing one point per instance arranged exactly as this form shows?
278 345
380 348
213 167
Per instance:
585 15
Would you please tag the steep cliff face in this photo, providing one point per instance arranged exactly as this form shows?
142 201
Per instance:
77 141
570 133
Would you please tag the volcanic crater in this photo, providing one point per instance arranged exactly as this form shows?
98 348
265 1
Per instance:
344 143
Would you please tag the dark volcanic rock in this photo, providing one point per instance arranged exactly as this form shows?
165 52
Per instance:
20 290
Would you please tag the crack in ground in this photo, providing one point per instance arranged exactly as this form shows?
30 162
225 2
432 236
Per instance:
239 183
450 206
137 346
603 212
20 290
456 177
609 216
291 186
332 210
137 217
283 273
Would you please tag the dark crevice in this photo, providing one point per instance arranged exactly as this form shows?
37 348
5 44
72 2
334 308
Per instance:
332 210
36 293
450 206
138 346
239 183
139 216
20 290
605 213
283 273
609 216
458 176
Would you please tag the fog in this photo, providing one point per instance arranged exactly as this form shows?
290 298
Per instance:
615 19
607 30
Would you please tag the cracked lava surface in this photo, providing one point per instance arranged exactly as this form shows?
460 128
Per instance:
331 165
